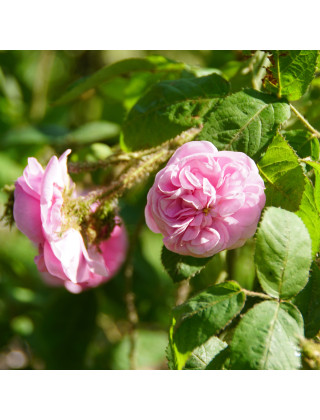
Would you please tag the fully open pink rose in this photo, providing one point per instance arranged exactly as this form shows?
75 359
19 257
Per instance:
205 201
63 257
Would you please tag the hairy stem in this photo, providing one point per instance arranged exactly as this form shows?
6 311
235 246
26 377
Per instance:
140 168
256 294
305 122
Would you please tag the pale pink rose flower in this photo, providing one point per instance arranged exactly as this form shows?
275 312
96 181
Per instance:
205 201
38 213
113 251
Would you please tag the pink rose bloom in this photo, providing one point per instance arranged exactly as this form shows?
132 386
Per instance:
205 201
63 256
113 252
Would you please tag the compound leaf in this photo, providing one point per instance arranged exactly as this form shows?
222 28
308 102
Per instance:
203 316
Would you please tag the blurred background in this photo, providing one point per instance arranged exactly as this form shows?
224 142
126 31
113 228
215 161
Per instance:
48 328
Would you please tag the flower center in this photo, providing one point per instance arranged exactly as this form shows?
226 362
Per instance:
206 211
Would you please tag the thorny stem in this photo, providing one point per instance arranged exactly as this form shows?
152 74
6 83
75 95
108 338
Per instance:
305 122
77 167
148 161
115 158
120 157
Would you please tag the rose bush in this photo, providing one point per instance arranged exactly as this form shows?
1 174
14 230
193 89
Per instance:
39 202
205 201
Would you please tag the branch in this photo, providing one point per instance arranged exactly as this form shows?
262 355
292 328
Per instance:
144 163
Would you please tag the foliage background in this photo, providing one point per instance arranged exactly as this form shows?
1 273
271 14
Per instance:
45 327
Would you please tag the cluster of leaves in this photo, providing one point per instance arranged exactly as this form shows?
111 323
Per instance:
206 331
239 102
208 334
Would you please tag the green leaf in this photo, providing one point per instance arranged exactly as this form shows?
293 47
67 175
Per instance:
203 316
181 267
24 136
309 214
316 167
245 122
308 302
128 90
202 356
291 72
171 107
283 175
304 143
176 359
267 338
92 132
123 68
283 253
220 361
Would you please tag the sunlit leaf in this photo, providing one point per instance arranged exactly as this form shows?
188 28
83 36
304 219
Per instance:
292 72
267 338
304 143
202 356
283 253
203 316
282 174
310 216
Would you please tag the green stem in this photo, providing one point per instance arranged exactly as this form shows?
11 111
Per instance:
256 294
305 122
182 293
279 76
230 262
